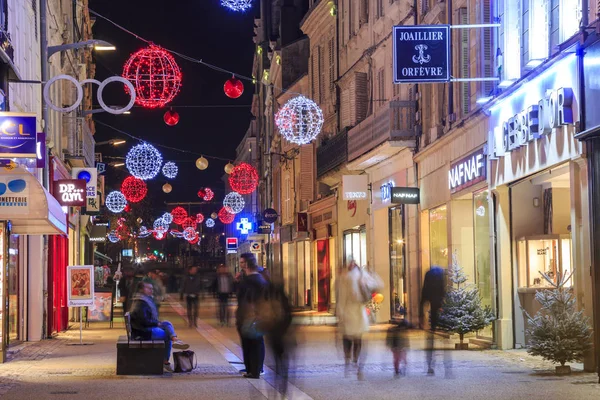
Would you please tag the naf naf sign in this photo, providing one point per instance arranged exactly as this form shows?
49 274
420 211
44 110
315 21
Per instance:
421 53
467 172
405 195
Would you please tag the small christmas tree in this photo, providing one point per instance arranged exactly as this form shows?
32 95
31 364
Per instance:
462 311
558 332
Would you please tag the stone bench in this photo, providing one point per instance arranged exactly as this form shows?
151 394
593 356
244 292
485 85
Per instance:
139 357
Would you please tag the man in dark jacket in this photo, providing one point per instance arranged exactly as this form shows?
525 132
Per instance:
190 288
250 291
433 292
145 324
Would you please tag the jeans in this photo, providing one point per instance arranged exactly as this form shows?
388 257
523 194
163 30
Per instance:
223 308
164 331
192 309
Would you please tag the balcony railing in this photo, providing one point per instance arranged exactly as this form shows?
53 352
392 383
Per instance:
80 145
395 121
332 154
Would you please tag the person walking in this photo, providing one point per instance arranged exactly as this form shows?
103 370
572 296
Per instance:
433 292
190 288
251 291
224 287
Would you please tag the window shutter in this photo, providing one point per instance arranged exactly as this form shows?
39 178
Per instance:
350 19
307 172
465 91
487 50
425 6
331 63
322 74
313 88
359 97
380 88
345 108
363 12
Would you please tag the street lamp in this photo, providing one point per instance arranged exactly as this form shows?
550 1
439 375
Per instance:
117 164
99 45
114 142
99 110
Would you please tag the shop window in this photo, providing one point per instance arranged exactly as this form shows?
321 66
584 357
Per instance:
483 278
547 254
13 288
397 263
355 246
438 236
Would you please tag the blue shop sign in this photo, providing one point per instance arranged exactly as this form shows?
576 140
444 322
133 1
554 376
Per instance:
18 135
421 53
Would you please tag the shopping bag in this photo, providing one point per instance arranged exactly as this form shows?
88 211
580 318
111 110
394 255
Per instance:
184 361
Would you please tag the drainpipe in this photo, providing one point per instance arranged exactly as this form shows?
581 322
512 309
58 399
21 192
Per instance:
450 84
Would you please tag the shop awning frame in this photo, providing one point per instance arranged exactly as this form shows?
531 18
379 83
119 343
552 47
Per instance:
102 256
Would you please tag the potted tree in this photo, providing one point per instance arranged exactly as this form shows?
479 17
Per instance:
558 332
462 311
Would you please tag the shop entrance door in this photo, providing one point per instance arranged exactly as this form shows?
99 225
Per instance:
324 274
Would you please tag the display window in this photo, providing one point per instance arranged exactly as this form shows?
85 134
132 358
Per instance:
13 288
438 236
355 246
397 263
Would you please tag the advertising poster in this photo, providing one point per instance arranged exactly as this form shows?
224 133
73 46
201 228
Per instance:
80 279
14 194
101 310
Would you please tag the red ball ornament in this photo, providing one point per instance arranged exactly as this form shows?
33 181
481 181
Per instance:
179 215
171 118
208 194
225 216
243 179
134 189
159 235
188 222
199 218
233 88
155 76
127 208
201 193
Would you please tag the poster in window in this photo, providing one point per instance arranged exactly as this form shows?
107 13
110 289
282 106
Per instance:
80 291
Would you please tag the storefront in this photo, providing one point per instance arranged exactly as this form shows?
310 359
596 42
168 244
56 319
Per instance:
539 182
27 211
325 262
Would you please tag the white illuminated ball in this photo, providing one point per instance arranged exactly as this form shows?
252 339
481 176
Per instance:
143 161
116 201
234 202
299 120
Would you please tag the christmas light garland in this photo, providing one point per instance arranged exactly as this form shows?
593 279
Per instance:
237 5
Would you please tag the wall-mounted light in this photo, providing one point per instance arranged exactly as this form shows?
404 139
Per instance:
536 201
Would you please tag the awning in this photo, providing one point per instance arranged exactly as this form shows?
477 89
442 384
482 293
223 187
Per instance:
101 256
29 207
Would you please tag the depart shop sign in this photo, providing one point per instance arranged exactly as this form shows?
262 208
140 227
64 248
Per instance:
421 53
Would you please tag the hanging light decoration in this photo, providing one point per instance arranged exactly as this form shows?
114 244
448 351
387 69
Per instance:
127 208
188 222
199 218
160 225
202 163
210 222
144 232
243 179
195 240
171 118
115 202
299 120
234 202
228 168
189 234
225 216
155 76
112 236
167 217
237 5
208 194
167 188
214 215
139 221
159 235
233 88
176 234
143 161
201 193
170 170
179 215
134 189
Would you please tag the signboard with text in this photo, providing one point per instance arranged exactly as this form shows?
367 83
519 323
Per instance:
14 194
421 53
405 195
70 192
18 135
355 187
255 247
467 171
90 176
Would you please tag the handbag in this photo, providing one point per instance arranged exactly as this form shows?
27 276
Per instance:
185 361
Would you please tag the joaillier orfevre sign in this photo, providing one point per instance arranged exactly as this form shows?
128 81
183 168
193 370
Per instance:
421 53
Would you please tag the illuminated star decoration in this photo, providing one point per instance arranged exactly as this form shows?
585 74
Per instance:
299 120
143 161
115 202
170 170
234 202
237 5
210 222
244 226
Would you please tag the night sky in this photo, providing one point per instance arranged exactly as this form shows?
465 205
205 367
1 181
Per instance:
201 29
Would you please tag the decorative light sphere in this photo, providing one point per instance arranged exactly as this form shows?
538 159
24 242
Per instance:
155 76
195 240
299 120
167 188
115 202
112 237
189 234
167 217
208 194
179 215
127 208
210 222
243 179
188 222
134 189
233 88
160 225
171 118
170 170
199 218
225 216
202 163
139 221
228 168
159 235
201 193
214 215
234 202
237 5
143 161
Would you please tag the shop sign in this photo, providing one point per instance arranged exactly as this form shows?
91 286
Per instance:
405 195
90 176
231 244
80 285
14 195
352 207
263 228
467 171
244 226
127 252
270 215
255 247
98 233
421 53
92 206
70 192
18 135
355 187
386 191
41 150
101 167
302 222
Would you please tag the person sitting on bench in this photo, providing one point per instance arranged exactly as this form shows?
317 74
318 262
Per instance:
145 324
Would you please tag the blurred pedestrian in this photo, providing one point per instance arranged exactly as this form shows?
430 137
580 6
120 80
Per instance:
158 288
280 337
433 293
251 291
127 289
397 341
191 288
224 287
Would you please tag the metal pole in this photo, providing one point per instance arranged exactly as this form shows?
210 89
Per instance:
81 325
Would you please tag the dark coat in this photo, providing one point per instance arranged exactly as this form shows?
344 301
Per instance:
250 290
191 284
144 317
